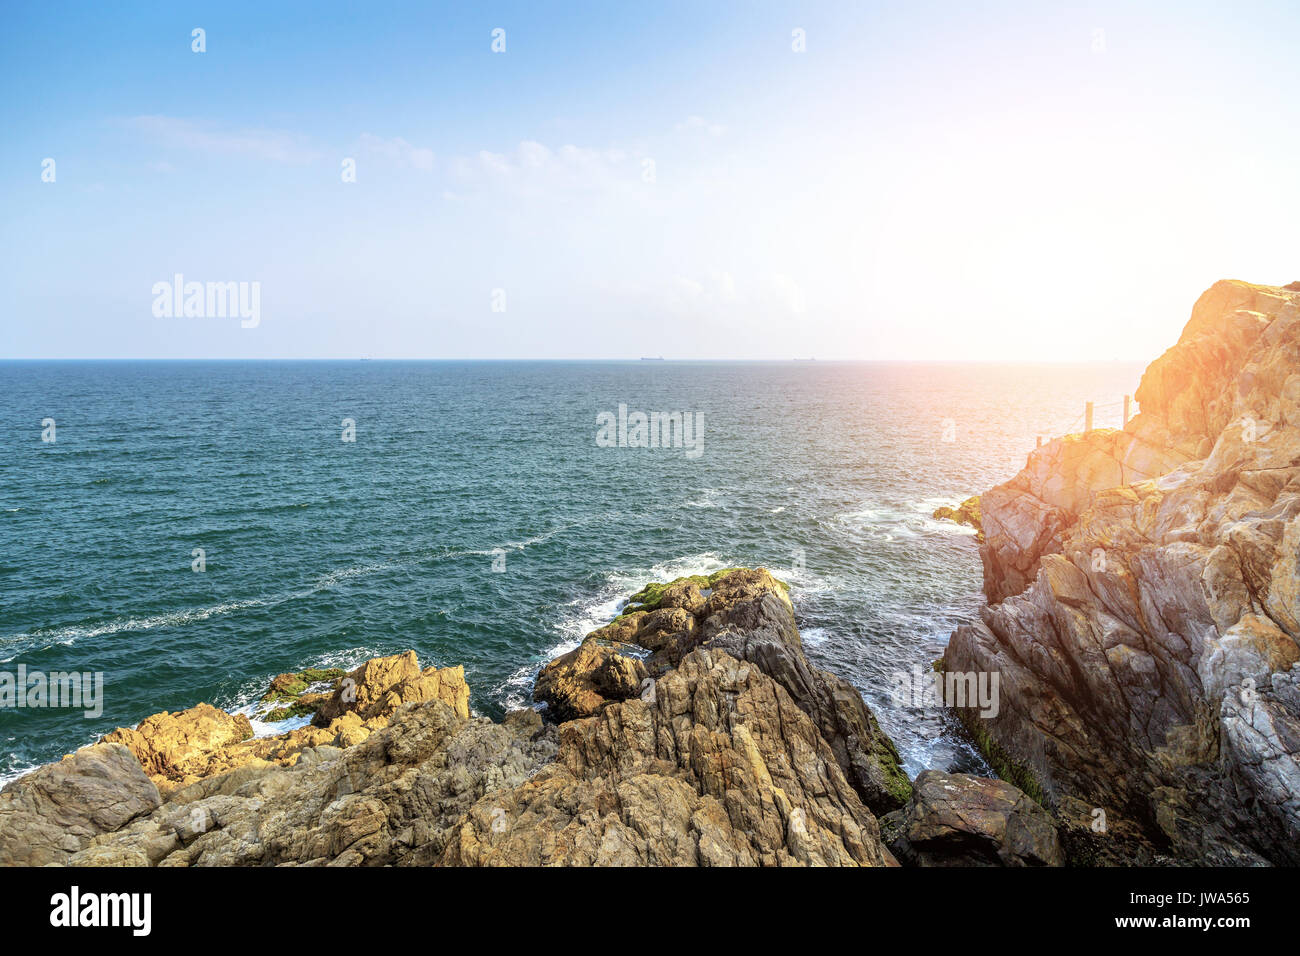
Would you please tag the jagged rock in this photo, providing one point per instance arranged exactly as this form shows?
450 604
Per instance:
54 811
182 745
748 614
381 685
579 683
967 513
177 750
1027 517
959 820
722 768
1145 634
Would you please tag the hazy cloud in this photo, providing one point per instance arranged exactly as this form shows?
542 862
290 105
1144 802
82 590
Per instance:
700 123
176 133
398 150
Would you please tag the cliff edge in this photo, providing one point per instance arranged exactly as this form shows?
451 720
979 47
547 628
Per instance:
1144 601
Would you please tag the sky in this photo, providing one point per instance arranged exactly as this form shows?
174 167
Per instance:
952 181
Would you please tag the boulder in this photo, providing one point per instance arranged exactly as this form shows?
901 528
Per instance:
381 685
957 820
54 811
581 682
182 745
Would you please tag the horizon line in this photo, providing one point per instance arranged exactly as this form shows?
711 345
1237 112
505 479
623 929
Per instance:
634 361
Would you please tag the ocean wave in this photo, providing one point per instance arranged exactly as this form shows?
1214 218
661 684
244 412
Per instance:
76 632
814 636
43 638
708 499
510 545
329 579
893 522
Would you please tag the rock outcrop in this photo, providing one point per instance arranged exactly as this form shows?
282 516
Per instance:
179 749
724 746
967 513
56 810
1143 604
748 614
581 682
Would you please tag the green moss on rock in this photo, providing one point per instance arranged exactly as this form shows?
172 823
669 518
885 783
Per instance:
296 709
651 596
1012 771
288 690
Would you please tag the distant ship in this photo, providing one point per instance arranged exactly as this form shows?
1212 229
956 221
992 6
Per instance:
805 360
657 358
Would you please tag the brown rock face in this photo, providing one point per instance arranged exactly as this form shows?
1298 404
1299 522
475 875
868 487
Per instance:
580 683
182 745
1142 592
1029 516
180 749
957 820
54 811
719 766
747 613
381 685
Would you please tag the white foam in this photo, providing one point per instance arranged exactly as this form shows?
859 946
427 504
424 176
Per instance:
708 499
912 520
69 635
581 616
814 636
43 638
248 700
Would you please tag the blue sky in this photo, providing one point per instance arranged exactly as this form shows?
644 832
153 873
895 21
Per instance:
925 180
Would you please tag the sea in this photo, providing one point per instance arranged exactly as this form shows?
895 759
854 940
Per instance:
189 529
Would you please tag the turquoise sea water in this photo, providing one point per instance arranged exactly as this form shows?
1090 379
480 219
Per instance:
325 552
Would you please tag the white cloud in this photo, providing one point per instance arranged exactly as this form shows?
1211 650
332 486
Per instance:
533 168
398 150
700 123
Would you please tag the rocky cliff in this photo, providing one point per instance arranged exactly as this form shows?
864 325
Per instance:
1143 608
